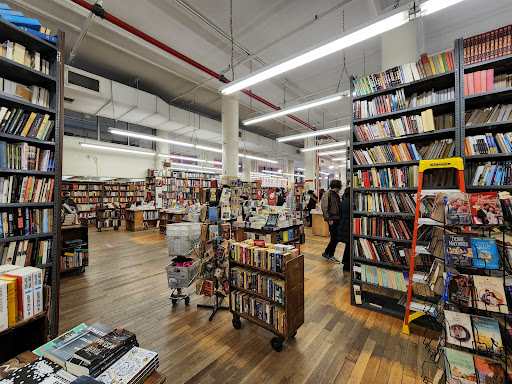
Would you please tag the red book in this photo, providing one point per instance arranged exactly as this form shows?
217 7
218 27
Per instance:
471 84
490 79
483 81
466 85
477 80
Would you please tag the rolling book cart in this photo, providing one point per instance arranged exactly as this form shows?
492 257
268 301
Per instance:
293 276
36 330
107 217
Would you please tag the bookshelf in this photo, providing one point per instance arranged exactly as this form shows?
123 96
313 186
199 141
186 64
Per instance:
140 219
108 215
74 239
288 235
170 218
378 137
35 331
293 309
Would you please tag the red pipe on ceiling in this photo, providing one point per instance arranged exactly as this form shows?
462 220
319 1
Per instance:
137 32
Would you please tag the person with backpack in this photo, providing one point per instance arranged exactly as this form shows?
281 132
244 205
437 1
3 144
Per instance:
331 207
344 228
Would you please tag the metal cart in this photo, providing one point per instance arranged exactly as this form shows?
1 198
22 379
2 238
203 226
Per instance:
181 277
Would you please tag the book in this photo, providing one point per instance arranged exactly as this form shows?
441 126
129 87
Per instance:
64 350
487 335
490 294
458 329
459 289
39 351
456 209
485 252
485 208
460 367
13 365
33 373
130 366
489 371
86 380
457 250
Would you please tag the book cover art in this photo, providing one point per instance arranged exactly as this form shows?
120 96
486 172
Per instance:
487 335
212 213
485 252
489 371
458 329
208 251
59 377
214 231
86 380
97 351
74 331
225 230
129 366
486 208
459 290
460 368
490 294
32 373
12 365
456 209
457 250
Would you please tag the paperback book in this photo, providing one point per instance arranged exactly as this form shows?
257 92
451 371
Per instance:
458 329
456 209
33 373
485 252
129 367
490 294
460 367
457 250
487 335
486 208
489 371
459 289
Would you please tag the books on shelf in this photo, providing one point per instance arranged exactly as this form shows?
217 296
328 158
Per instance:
490 294
452 209
28 293
458 250
25 189
77 258
387 252
382 227
24 253
460 367
391 202
499 173
405 73
16 52
32 94
266 285
488 144
458 329
25 221
397 280
485 81
263 310
495 114
488 46
26 157
487 335
261 257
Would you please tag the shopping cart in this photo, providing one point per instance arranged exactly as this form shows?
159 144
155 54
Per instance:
182 276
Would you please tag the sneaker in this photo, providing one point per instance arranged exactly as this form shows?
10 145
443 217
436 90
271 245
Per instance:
332 258
326 255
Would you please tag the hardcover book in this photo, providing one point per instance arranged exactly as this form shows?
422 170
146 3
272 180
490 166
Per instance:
33 373
460 368
129 366
486 208
487 335
490 294
459 289
485 252
457 250
458 329
489 371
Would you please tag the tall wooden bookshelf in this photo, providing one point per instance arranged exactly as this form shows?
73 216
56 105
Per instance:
35 331
375 297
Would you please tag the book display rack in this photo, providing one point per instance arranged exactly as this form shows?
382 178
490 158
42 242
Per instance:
30 332
138 219
170 218
289 235
108 215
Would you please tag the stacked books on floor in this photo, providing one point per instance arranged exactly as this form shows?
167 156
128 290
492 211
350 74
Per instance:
405 73
15 121
25 221
21 294
103 354
499 113
402 126
499 173
488 46
26 157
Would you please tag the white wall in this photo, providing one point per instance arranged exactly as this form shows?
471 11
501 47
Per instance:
81 161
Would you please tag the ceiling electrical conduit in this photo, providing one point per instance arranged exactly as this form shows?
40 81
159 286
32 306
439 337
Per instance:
127 27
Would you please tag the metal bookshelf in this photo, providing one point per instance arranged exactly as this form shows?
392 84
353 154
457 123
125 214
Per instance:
372 292
30 333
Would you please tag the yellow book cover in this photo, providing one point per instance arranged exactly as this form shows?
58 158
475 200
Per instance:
391 279
379 275
441 64
432 66
12 298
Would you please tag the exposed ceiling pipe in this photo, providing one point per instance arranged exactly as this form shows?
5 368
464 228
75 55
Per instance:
129 28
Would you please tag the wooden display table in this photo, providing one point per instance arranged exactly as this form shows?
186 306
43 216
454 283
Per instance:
320 226
155 378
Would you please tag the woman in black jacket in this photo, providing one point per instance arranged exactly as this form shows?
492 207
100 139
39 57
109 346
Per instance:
344 228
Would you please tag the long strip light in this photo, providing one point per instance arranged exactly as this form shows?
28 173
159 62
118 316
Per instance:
300 169
332 152
324 173
293 174
274 172
387 22
214 162
258 158
296 108
205 148
192 170
340 159
122 132
323 146
181 157
314 133
105 147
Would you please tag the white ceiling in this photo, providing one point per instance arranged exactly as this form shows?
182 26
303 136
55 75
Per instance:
198 29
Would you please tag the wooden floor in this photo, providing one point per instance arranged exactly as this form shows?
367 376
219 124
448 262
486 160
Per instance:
125 285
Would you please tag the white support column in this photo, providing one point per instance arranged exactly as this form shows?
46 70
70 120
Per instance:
246 167
290 169
310 163
161 147
230 135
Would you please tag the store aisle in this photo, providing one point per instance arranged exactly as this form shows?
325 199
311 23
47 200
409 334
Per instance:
125 285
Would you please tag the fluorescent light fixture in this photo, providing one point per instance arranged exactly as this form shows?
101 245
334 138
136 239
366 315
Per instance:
331 167
324 173
258 158
192 170
214 162
331 152
87 145
326 178
274 172
323 146
181 157
205 148
340 159
300 107
314 133
375 27
431 6
292 174
66 177
300 169
123 132
337 176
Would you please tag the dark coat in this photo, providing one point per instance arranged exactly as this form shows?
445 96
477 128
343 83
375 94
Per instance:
344 223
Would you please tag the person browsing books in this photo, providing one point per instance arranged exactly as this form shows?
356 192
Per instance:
313 199
68 200
331 207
